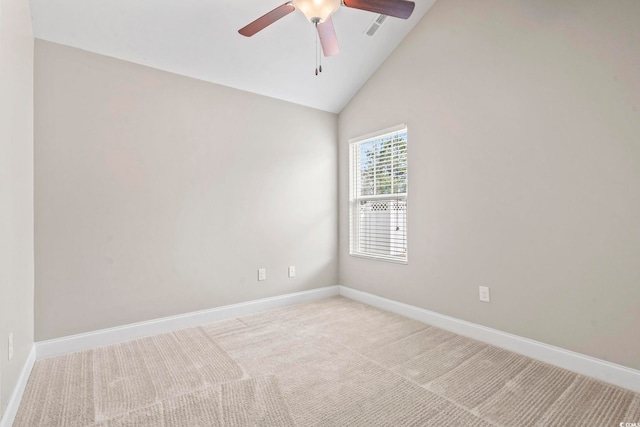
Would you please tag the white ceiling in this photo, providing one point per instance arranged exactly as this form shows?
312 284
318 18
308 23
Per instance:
200 39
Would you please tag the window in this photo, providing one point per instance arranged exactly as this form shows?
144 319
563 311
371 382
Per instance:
378 195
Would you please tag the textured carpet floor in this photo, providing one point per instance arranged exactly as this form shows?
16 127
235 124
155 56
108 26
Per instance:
332 362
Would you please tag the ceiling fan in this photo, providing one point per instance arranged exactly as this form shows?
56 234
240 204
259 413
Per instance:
319 12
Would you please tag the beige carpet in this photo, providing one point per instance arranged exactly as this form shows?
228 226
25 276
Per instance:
333 362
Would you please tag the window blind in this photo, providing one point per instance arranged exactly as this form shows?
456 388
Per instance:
378 195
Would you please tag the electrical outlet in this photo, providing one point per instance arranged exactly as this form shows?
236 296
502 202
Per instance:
292 271
262 274
10 346
484 294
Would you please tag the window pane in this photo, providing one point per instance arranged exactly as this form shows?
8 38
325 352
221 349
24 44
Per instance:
378 196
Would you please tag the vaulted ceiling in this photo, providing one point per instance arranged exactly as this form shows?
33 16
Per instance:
200 39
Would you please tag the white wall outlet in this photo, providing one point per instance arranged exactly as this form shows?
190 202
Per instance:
484 294
292 271
262 274
10 346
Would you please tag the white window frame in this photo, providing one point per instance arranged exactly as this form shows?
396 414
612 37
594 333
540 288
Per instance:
355 199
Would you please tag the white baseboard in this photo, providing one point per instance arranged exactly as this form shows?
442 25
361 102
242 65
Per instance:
16 396
73 343
600 369
586 365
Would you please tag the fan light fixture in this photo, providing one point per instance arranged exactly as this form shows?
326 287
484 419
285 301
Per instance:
317 11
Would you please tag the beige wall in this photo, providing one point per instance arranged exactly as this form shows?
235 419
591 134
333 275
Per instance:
16 190
524 156
158 194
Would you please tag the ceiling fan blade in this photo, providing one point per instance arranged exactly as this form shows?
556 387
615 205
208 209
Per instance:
328 38
396 8
267 19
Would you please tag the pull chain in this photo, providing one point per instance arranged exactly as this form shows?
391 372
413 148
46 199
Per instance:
316 37
318 53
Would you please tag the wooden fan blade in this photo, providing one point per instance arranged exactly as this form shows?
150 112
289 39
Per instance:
267 19
396 8
328 38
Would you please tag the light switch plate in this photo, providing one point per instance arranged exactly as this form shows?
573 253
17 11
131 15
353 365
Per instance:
484 294
10 355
